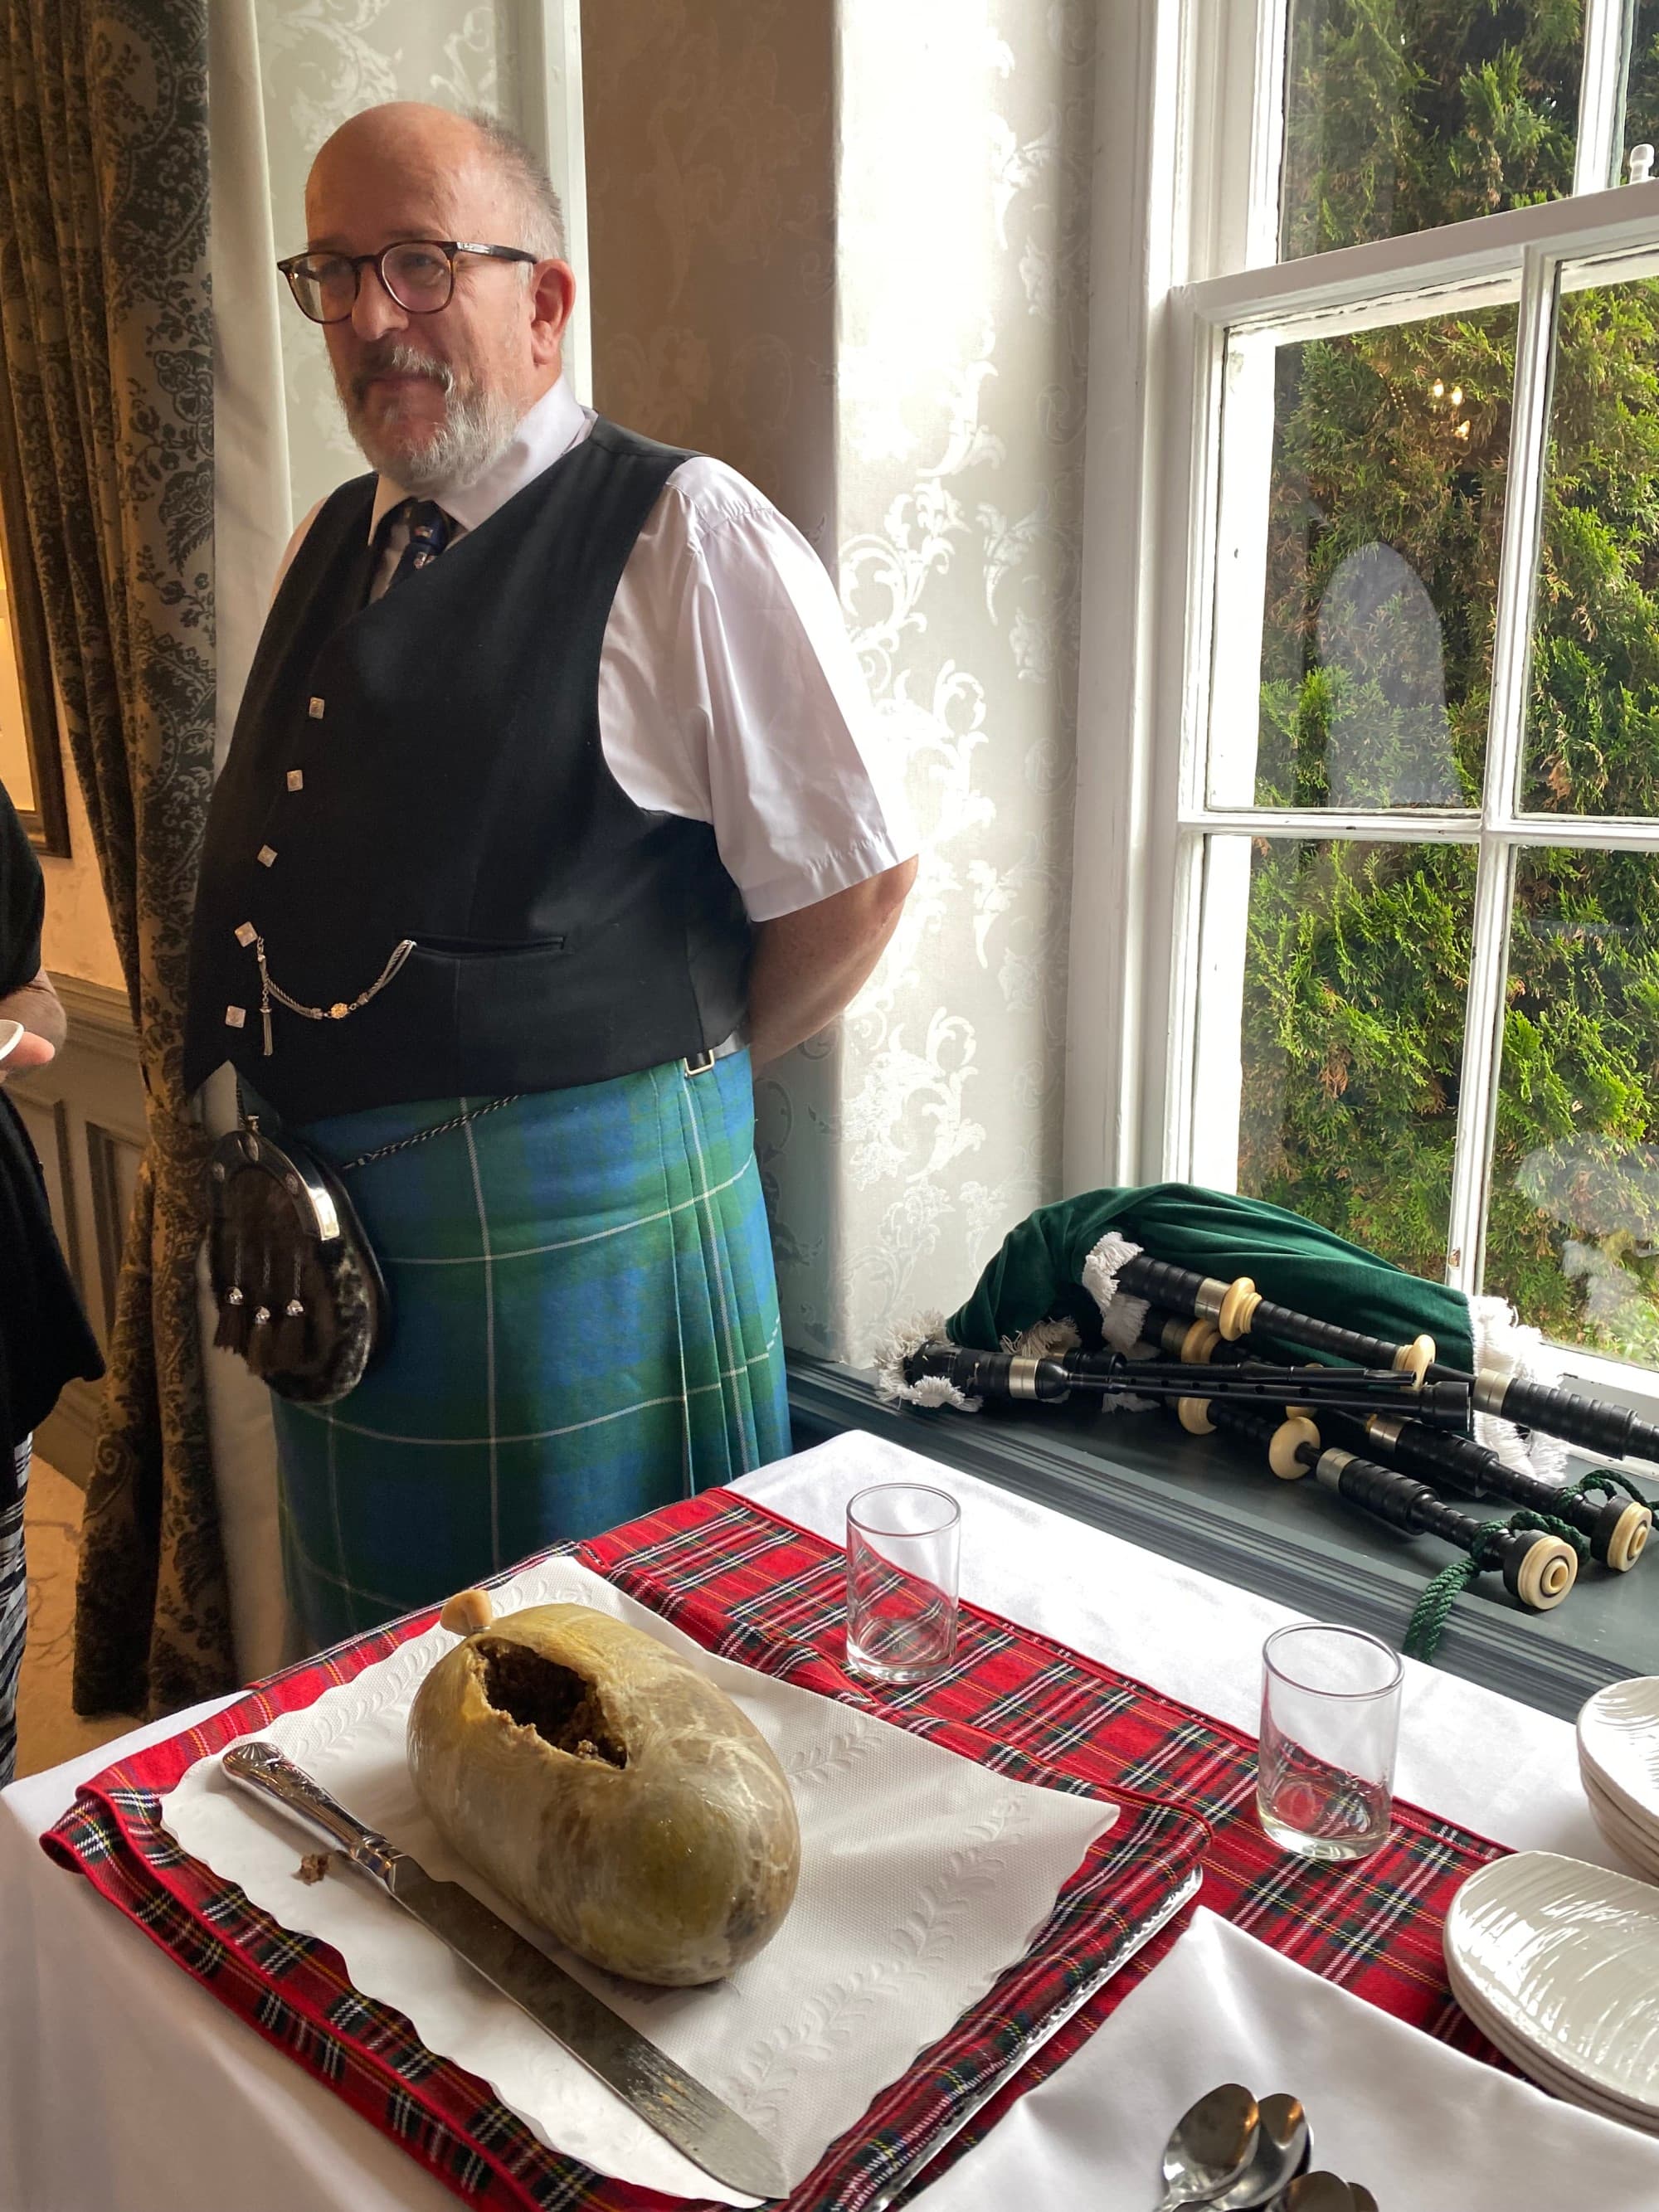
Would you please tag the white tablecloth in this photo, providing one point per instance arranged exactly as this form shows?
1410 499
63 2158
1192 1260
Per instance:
125 2087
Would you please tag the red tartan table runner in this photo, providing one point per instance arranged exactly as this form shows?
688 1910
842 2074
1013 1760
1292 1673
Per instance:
759 1590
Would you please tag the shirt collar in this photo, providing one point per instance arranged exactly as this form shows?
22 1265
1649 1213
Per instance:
555 423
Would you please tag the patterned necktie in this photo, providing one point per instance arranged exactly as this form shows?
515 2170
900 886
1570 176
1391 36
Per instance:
428 534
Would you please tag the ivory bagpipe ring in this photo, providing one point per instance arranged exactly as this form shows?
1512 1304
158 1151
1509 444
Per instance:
1415 1358
1286 1441
1200 1341
1547 1573
1238 1308
1629 1537
466 1612
1193 1414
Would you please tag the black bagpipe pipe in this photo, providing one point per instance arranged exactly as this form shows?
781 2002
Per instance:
1617 1527
1238 1309
1051 1380
1538 1567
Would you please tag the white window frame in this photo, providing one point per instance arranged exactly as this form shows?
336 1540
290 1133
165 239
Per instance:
550 117
1189 122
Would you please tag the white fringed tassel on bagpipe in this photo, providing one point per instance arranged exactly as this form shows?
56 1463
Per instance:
901 1341
1504 1345
1121 1317
1044 1340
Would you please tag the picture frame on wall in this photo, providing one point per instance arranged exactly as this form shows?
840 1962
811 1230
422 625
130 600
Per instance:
30 756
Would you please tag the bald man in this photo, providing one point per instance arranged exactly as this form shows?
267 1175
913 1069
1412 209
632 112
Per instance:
553 803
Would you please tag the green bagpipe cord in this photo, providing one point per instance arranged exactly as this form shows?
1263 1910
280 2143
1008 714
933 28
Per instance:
1429 1616
1038 1271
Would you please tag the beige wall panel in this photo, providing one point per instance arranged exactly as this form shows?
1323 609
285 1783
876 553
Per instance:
846 249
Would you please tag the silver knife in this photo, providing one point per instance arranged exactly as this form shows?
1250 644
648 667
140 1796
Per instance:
666 2097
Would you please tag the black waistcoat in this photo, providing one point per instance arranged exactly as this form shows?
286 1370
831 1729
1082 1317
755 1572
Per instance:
428 767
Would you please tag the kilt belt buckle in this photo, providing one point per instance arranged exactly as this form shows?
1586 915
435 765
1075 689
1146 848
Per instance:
699 1063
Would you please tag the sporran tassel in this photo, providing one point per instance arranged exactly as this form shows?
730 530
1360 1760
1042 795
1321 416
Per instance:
234 1312
287 1338
231 1334
259 1329
287 1343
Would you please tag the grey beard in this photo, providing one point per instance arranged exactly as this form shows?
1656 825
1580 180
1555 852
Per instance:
477 428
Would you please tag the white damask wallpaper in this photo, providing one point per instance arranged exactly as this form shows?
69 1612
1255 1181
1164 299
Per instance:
879 314
321 61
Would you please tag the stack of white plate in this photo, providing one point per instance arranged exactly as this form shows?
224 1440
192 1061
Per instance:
1558 1964
1619 1766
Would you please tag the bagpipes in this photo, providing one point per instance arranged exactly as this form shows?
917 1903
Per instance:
1238 1308
1051 1378
1616 1529
1381 1422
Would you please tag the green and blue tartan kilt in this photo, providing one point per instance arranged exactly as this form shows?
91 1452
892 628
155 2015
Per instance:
584 1327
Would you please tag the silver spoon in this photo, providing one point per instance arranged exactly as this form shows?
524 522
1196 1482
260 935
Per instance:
1318 2192
1210 2147
1281 2150
1363 2199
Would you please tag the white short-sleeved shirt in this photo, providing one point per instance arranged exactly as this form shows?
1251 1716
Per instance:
729 692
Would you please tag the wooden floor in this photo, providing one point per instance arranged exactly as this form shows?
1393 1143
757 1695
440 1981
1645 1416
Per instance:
47 1730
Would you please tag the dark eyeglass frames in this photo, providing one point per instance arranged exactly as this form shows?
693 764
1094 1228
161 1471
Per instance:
418 273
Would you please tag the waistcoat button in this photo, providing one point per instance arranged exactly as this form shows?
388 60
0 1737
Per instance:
296 779
316 710
266 855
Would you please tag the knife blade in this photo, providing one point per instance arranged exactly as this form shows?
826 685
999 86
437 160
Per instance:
666 2097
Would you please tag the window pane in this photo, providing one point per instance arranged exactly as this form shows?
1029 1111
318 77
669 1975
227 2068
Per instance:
1382 507
1593 708
1401 115
1345 1012
1641 120
1573 1236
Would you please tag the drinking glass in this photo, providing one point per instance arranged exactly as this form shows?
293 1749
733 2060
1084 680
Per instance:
1330 1724
903 1550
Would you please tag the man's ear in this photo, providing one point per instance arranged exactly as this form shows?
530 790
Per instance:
552 296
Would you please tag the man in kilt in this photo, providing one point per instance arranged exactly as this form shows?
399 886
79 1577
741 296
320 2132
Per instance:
552 805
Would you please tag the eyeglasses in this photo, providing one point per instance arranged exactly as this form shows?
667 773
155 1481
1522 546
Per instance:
418 273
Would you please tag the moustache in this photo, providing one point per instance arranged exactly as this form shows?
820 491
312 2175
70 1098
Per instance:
399 361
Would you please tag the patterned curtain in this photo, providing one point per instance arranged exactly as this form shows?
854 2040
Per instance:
106 320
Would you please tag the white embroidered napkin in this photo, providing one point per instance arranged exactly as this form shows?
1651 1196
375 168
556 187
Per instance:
1425 2128
922 1876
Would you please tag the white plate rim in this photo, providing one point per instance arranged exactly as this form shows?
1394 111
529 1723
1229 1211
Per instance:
1590 1774
1535 2064
1621 1830
1517 2025
1590 1721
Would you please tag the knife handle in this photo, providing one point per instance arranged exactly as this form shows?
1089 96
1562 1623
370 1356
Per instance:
260 1767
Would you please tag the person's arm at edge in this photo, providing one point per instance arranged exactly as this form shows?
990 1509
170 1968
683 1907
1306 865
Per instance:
808 965
40 1009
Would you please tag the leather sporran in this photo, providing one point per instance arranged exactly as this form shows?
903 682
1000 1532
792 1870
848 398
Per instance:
299 1293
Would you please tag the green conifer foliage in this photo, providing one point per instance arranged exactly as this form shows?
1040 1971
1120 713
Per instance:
1384 537
1400 115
